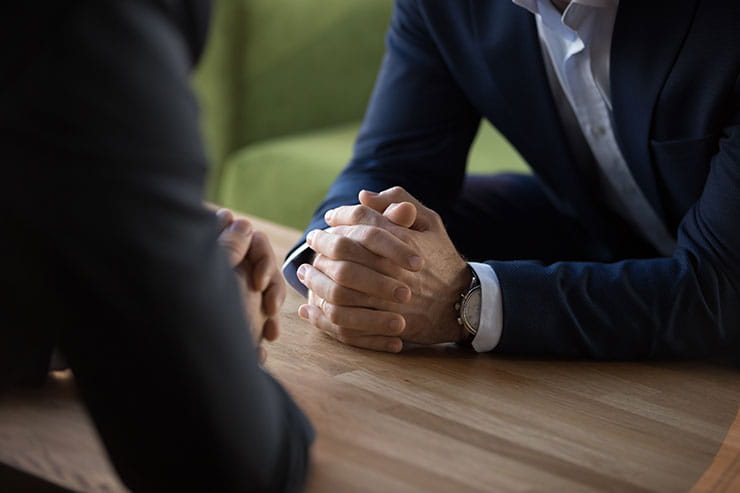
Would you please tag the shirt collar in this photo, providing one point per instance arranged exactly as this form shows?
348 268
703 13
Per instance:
533 5
572 17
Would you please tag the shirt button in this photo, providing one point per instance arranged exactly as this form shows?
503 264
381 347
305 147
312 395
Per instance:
598 131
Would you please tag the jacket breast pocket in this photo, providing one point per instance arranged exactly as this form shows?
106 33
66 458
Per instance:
681 168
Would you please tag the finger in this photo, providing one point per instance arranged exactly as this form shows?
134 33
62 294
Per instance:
403 214
381 201
224 217
236 240
355 214
261 355
338 247
271 329
274 297
351 337
360 278
327 288
342 242
262 259
363 320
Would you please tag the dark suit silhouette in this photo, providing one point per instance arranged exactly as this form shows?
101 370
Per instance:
108 253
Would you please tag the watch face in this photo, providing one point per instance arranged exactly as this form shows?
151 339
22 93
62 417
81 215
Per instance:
471 308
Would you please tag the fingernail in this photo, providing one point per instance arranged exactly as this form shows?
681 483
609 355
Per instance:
395 325
402 294
310 236
222 215
329 214
302 271
415 262
394 346
241 226
303 312
370 192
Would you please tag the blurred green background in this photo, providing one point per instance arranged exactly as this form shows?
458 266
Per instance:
283 86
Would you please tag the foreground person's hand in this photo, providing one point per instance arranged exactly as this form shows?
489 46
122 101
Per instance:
258 276
350 286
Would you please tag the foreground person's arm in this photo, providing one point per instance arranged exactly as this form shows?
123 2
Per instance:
109 249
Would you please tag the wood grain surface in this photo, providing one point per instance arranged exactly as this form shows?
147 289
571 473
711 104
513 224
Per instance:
446 419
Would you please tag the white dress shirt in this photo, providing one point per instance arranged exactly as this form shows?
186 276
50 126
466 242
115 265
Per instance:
576 45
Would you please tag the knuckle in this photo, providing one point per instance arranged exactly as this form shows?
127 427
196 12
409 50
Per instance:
342 246
374 234
343 273
437 219
318 259
390 268
335 294
368 235
332 313
398 189
403 235
357 214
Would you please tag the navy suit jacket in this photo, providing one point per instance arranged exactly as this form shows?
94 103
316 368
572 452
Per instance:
676 100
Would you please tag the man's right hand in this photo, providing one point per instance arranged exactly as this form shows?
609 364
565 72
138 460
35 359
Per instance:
357 271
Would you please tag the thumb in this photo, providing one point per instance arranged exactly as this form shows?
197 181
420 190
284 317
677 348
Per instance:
397 195
375 201
236 240
403 214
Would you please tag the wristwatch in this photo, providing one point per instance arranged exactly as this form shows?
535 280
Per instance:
468 309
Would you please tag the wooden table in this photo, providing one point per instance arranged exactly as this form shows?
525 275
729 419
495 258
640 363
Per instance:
445 419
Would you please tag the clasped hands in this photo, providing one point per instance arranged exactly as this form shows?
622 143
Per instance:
384 272
258 276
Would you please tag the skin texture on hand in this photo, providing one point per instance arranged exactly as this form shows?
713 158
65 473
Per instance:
257 274
385 272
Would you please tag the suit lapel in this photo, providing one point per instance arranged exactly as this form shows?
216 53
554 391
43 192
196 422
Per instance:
523 107
647 38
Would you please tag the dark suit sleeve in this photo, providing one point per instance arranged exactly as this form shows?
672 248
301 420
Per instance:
687 305
418 126
103 177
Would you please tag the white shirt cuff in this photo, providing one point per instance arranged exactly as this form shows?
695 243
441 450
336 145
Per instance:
491 311
300 255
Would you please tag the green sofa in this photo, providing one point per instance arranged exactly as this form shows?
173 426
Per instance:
283 86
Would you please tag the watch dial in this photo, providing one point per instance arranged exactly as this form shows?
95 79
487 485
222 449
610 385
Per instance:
471 309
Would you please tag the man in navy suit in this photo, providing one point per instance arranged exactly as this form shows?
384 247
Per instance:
623 243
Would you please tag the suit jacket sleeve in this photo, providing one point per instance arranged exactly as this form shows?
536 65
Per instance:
686 305
418 126
109 240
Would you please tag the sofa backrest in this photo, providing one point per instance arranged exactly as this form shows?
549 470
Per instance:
278 67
